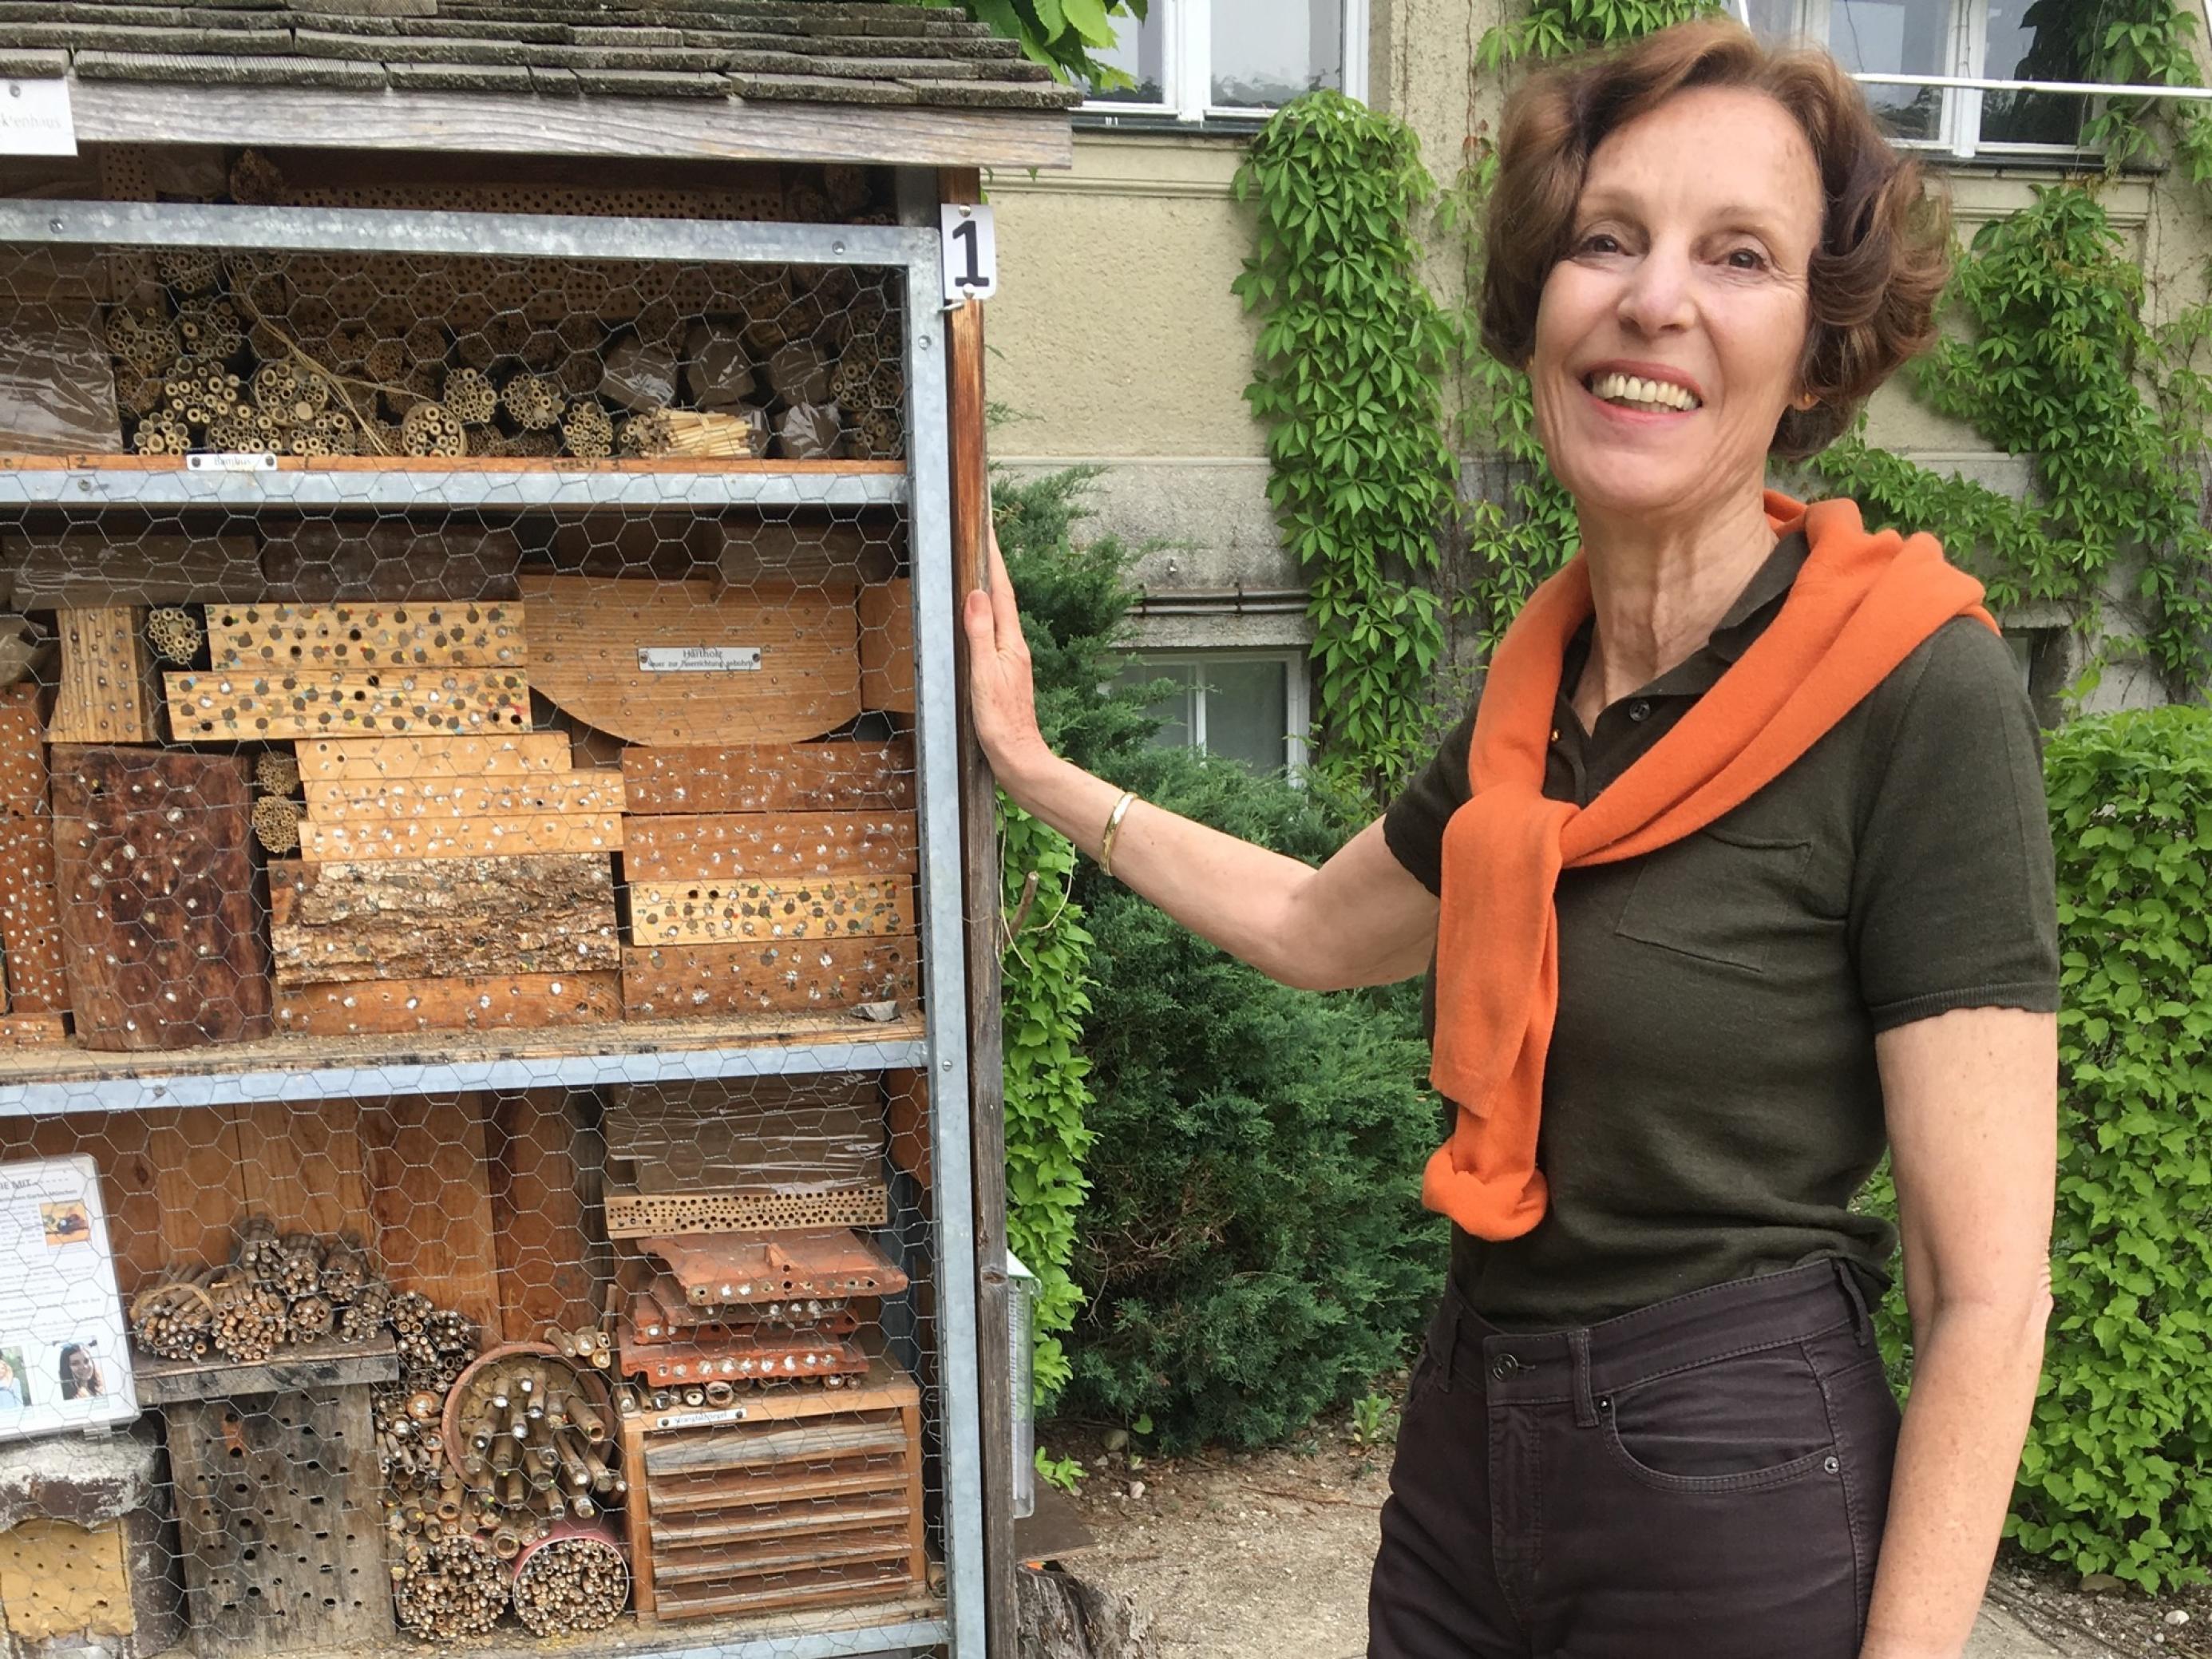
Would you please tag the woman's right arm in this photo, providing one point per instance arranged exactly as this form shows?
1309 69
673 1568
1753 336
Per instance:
1359 919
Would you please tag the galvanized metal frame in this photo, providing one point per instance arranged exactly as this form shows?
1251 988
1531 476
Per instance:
917 253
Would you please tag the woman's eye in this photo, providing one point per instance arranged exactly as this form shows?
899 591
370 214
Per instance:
1747 259
1600 241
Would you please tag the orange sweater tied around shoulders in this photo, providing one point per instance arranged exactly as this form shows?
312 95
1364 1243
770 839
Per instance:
1861 605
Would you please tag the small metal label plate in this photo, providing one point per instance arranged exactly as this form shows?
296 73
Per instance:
698 659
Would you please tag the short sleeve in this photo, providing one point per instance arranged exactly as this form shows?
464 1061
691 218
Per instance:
1413 827
1954 901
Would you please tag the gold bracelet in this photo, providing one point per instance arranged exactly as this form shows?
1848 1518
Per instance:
1114 827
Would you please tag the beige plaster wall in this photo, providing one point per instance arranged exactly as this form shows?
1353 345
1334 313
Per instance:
1113 334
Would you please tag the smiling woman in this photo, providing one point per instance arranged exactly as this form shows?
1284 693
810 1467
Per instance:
1738 873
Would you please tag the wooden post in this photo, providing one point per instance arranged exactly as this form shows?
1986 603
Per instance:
980 880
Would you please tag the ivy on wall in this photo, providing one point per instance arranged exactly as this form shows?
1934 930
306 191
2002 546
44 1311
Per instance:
1350 361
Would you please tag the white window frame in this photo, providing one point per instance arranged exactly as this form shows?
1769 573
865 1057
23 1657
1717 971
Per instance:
1297 692
1187 66
1964 80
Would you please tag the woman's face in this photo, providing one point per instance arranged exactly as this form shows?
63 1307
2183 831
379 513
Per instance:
1670 338
80 1366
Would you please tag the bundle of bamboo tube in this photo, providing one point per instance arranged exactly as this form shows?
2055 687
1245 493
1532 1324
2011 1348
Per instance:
451 1588
571 1586
533 1441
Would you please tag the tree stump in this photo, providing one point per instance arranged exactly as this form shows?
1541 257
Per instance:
1060 1616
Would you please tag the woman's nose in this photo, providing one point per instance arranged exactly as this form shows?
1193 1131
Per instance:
1657 298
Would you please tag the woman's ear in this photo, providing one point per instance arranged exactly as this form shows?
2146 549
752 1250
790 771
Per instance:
1805 401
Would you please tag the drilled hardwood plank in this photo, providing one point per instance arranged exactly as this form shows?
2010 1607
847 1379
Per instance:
30 917
635 658
769 845
22 752
511 1002
372 760
763 777
275 638
390 799
441 919
509 835
104 690
708 913
676 981
160 929
347 702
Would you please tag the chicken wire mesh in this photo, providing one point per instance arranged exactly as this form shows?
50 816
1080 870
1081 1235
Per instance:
396 754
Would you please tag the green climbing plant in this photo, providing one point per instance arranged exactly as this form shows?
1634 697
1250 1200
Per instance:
1064 35
1349 384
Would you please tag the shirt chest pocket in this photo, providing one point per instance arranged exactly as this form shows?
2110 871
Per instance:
1722 896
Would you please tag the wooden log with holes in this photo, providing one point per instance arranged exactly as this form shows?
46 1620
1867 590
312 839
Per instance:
160 936
761 777
677 981
509 834
105 690
769 845
887 646
731 912
22 753
258 638
441 919
347 702
504 1002
678 662
470 759
383 802
30 920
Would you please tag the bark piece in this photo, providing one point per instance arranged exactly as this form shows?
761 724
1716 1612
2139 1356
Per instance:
442 918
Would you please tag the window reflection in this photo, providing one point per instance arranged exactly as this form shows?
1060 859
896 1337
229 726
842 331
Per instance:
2029 42
1139 51
1265 52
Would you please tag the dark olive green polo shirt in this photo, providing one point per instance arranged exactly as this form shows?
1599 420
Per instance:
1711 1099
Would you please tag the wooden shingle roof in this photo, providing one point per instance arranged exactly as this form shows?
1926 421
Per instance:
412 57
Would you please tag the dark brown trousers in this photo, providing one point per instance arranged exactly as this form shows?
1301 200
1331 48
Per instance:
1705 1478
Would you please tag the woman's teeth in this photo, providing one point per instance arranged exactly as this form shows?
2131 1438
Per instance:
1633 392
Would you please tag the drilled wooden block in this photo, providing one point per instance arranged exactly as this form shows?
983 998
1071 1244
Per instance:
385 800
30 917
709 912
462 838
769 845
105 690
279 1508
441 919
374 760
673 981
512 1002
160 931
342 702
31 1030
58 1579
22 753
808 777
631 1214
268 638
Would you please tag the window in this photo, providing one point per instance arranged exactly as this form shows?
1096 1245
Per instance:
1247 705
1911 55
1196 60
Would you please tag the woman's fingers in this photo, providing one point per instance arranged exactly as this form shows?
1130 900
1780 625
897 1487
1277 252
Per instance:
1003 607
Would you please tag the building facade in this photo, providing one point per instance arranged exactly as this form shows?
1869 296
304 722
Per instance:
1118 344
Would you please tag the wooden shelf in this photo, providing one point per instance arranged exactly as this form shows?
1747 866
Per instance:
327 1364
54 1078
678 484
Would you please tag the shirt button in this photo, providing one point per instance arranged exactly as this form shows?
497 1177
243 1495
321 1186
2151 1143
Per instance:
1503 1366
1639 710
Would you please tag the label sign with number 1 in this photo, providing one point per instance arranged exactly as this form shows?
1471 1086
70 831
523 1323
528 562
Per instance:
971 254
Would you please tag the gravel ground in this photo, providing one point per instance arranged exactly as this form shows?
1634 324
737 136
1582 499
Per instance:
1241 1555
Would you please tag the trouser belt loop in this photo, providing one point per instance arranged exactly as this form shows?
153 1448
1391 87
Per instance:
1585 1406
1445 1341
1862 1321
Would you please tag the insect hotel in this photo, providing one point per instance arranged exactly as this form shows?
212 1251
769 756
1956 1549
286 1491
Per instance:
491 1058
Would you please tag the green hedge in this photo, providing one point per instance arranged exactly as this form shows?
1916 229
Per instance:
2118 1472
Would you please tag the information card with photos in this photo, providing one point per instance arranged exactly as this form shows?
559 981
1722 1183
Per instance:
65 1354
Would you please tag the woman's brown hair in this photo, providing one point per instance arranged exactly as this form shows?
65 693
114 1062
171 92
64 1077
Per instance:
1885 251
